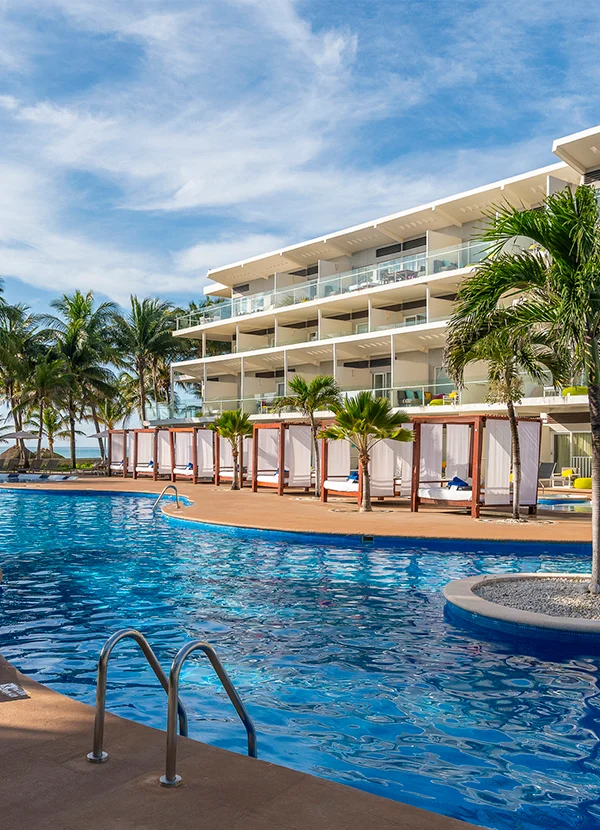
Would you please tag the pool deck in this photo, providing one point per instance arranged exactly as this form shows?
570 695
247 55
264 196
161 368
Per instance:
300 512
46 783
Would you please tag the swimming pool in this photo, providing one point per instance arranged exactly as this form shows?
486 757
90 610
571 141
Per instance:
341 652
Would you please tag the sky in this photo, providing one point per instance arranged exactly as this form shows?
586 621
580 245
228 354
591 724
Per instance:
145 141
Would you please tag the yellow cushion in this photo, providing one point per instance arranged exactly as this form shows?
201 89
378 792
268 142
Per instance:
567 473
583 483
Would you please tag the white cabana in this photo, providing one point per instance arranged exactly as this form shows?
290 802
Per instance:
144 452
192 453
462 485
117 452
183 453
282 456
223 459
337 477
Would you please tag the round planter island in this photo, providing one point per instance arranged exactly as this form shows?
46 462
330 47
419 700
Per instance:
551 607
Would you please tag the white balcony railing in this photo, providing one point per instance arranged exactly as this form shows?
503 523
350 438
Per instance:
385 273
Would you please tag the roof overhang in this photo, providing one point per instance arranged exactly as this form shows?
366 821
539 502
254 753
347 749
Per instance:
581 151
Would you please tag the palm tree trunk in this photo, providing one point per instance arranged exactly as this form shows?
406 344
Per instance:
155 386
97 428
594 400
40 431
516 459
72 434
317 466
235 484
365 502
142 391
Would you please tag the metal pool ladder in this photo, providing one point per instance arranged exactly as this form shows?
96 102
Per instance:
97 755
164 490
175 711
170 778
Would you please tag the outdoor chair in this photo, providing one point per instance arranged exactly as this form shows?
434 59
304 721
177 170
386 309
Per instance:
546 472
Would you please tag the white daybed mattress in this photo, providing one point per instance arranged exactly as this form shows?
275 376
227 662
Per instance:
184 471
144 468
445 494
341 485
271 478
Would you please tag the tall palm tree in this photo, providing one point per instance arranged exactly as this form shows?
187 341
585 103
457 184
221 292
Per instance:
115 410
44 387
53 425
94 324
317 395
88 375
144 337
22 343
511 352
557 281
233 426
365 421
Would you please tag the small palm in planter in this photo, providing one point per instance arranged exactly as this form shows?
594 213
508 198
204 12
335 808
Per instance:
365 421
233 425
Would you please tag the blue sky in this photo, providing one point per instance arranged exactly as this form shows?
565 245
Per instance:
148 140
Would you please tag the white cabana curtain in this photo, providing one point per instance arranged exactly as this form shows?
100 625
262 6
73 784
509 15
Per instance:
431 452
338 459
382 468
403 460
225 456
184 452
164 452
247 449
529 436
268 450
117 447
298 455
205 453
458 450
145 448
497 462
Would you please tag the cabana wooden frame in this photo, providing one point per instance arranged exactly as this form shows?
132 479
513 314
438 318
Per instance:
219 477
124 433
478 423
194 478
278 483
325 493
151 471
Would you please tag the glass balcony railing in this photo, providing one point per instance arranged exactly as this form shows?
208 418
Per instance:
385 273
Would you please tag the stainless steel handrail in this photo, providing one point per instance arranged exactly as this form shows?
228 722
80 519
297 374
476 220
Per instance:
164 490
170 778
97 755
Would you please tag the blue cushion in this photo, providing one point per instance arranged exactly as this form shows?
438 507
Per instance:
353 475
189 466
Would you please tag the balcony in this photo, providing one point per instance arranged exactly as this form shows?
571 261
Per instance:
385 273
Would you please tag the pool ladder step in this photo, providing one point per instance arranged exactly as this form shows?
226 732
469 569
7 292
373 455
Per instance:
175 708
162 493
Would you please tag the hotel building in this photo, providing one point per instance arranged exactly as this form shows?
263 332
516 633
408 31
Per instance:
370 305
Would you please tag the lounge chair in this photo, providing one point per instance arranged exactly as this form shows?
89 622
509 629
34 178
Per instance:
99 467
546 472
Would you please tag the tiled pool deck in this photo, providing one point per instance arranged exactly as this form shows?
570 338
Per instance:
46 781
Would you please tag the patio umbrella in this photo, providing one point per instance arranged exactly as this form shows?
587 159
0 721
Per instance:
102 434
22 434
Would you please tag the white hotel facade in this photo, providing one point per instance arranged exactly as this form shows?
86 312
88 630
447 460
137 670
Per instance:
370 305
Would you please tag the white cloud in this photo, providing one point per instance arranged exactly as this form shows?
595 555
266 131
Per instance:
246 113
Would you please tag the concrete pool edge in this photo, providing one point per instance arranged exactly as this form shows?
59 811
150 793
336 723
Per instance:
45 779
470 607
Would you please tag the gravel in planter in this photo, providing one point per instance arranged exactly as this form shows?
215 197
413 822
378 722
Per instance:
556 596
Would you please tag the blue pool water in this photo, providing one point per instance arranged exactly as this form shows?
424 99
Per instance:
341 652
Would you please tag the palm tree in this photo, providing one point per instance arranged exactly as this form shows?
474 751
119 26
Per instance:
114 410
144 337
233 425
511 352
52 424
94 324
21 345
365 421
557 281
318 395
44 387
